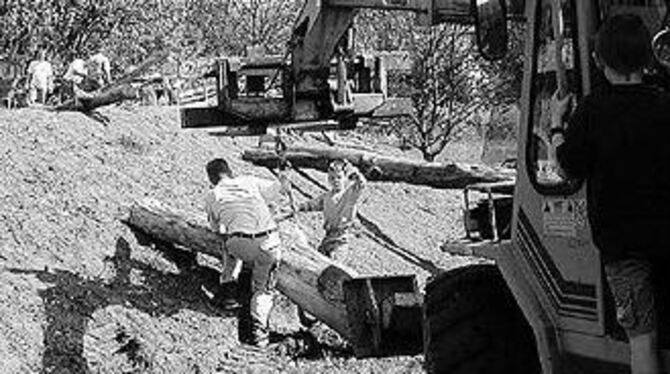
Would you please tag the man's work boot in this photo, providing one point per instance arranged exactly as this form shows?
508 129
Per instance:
224 297
251 331
306 320
227 296
260 336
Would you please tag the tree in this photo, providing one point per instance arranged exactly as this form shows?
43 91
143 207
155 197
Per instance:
267 23
501 89
132 30
440 83
62 28
449 84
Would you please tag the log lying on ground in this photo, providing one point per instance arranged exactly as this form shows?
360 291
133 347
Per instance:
115 92
89 101
109 96
310 279
144 67
382 168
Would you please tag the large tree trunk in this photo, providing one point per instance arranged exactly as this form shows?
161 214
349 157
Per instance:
109 96
115 92
383 168
88 101
310 279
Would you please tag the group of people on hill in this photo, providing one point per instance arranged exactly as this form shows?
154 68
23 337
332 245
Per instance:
85 74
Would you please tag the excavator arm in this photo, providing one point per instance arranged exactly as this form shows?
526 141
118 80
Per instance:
317 86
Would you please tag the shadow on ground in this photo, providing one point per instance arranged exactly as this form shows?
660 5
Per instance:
71 301
304 345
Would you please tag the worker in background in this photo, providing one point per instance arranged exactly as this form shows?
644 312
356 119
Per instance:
99 69
40 79
237 208
616 138
75 76
339 205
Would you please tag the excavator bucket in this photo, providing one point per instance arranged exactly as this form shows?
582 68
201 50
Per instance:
385 315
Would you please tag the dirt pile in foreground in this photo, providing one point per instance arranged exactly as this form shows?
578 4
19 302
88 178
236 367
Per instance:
79 294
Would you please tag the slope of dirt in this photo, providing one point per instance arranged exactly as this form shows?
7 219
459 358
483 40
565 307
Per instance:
80 294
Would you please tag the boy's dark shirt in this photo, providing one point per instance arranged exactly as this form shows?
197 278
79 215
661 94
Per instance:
619 140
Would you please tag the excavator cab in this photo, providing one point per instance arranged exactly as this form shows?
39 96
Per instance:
550 263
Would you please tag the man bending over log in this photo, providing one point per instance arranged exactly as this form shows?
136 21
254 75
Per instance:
237 209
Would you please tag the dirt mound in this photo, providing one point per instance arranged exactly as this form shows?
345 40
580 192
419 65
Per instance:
80 294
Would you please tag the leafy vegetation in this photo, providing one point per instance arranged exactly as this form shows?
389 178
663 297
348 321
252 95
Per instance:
132 30
451 87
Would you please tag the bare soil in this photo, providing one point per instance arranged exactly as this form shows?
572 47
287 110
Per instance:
80 294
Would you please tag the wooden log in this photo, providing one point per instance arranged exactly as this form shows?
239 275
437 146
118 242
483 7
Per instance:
114 92
311 280
109 96
143 68
383 168
88 101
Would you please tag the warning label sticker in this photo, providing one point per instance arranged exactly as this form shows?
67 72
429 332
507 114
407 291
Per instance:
560 217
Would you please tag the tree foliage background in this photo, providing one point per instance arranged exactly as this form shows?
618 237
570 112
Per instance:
130 31
449 84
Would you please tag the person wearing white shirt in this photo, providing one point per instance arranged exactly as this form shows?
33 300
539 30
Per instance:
237 208
40 79
76 71
75 77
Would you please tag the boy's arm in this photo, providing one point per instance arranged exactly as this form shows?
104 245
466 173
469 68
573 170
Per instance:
267 187
107 67
211 215
50 78
29 74
358 178
572 144
270 187
270 190
356 188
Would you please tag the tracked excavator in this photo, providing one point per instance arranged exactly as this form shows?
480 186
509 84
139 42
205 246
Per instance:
540 305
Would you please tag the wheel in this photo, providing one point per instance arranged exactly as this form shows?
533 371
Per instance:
472 324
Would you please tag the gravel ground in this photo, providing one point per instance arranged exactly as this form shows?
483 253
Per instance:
79 294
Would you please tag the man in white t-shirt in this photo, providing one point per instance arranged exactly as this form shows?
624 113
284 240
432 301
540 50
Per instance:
237 208
40 79
76 71
75 77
